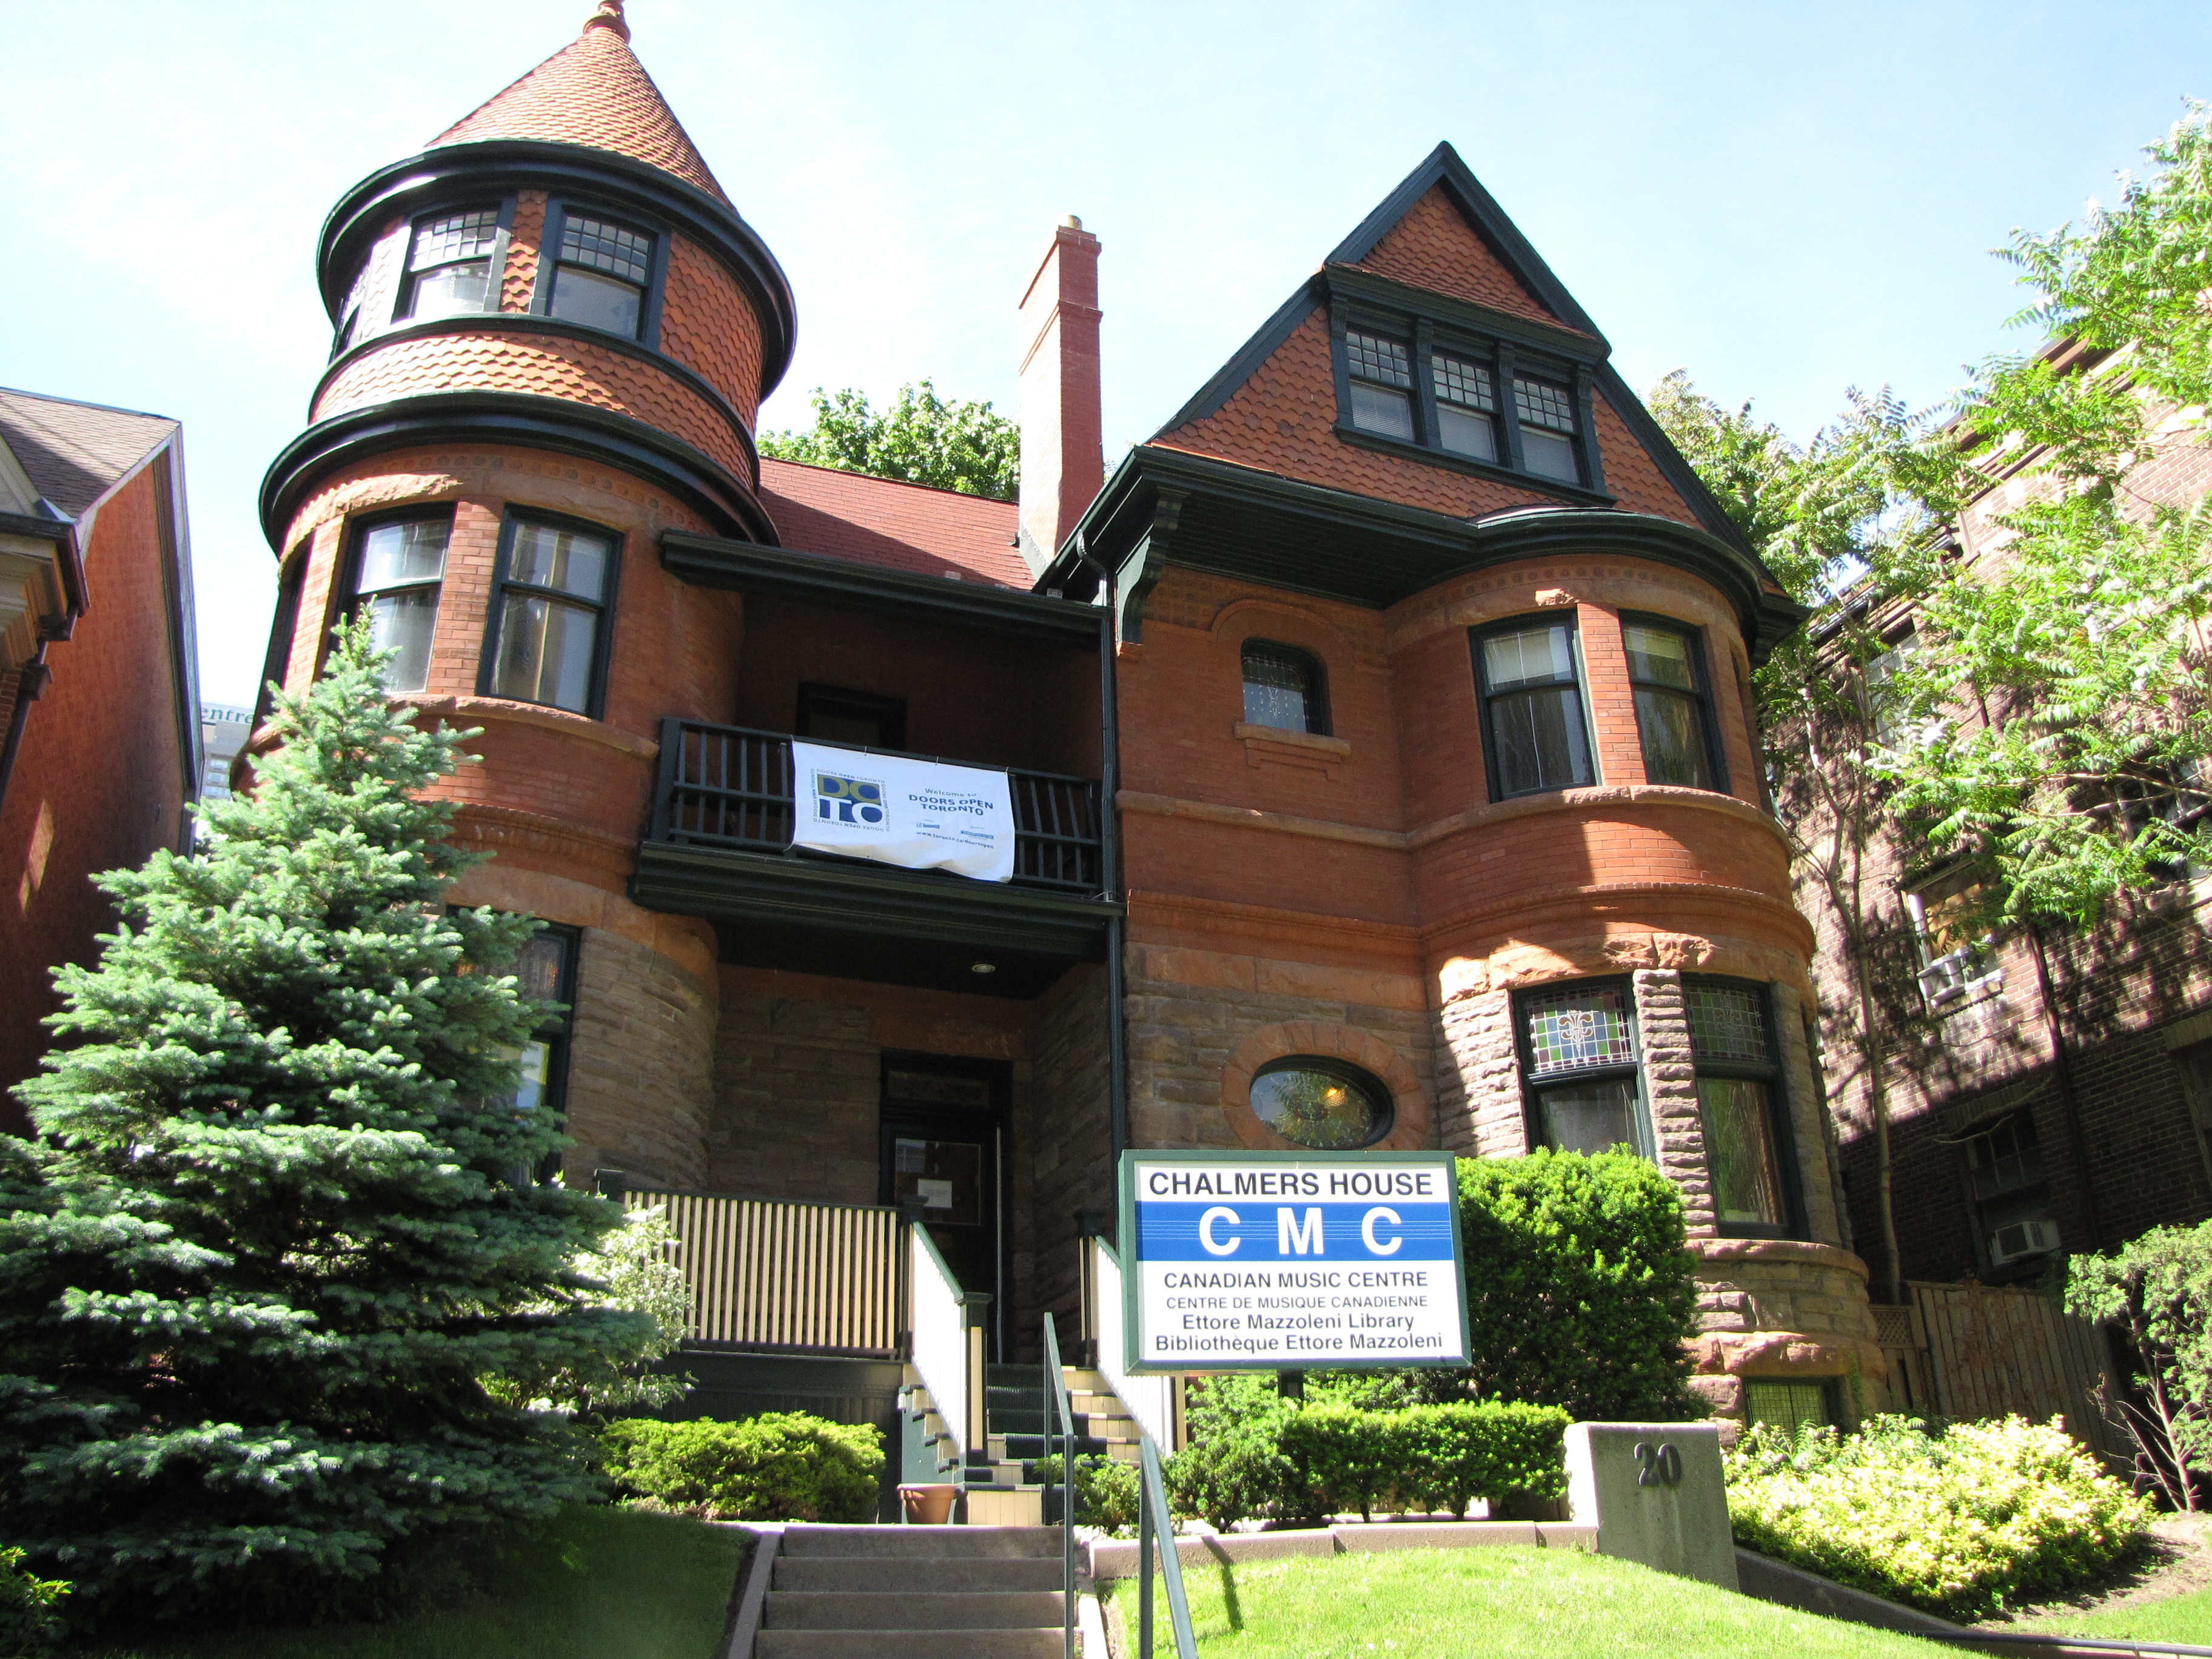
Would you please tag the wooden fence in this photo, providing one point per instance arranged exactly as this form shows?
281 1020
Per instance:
771 1277
1969 1351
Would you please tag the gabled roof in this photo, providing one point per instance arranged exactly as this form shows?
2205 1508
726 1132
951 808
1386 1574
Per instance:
74 453
593 92
1438 243
894 526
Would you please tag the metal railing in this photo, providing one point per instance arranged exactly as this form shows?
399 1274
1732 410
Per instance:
1060 1410
771 1276
727 785
1155 1527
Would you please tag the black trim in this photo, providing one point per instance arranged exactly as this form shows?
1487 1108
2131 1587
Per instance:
510 417
283 624
524 322
1532 1087
1380 1100
495 257
1451 460
559 209
1245 360
1315 690
499 166
1771 1073
345 598
595 700
845 585
888 713
1461 317
1304 537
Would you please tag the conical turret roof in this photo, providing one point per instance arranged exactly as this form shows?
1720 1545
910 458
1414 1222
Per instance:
592 91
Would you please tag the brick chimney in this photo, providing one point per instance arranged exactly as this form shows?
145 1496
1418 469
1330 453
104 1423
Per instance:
1063 447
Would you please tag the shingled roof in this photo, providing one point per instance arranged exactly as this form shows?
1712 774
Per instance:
74 453
593 92
897 526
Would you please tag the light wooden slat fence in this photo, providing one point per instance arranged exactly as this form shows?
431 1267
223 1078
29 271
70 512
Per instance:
773 1277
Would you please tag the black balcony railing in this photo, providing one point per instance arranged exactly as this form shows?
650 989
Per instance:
723 786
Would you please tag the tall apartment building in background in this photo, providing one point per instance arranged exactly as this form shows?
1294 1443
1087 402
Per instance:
1377 733
99 751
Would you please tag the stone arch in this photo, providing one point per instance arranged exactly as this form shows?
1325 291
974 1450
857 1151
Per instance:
1412 1119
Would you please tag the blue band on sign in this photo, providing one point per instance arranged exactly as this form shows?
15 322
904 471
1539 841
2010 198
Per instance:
1268 1231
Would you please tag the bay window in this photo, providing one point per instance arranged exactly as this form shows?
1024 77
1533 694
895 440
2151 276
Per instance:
1673 707
548 617
1739 1101
1579 1068
602 273
453 261
1536 725
399 568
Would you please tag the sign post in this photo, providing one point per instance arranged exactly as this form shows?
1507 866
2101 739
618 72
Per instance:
1290 1262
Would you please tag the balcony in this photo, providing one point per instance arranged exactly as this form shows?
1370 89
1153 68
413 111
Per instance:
719 847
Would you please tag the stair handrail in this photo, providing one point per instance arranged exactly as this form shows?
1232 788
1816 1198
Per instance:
941 1344
1150 1399
1156 1525
1060 1410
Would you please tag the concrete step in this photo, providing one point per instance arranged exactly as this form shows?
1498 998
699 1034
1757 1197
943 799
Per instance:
906 1610
920 1573
995 1543
908 1644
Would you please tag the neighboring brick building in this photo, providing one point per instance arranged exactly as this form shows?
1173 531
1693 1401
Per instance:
98 732
2049 1089
1378 732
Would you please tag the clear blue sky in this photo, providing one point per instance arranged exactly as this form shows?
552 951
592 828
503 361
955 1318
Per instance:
1786 200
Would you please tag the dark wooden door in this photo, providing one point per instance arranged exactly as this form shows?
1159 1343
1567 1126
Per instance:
944 1126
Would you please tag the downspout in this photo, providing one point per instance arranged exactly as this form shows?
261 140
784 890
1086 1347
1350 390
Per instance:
28 685
1109 828
2070 1106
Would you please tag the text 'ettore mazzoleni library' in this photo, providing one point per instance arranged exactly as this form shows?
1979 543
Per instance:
1372 749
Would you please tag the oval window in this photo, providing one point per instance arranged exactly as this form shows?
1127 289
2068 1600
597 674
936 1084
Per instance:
1323 1103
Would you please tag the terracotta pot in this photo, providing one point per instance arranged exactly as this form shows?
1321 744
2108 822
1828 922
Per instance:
928 1506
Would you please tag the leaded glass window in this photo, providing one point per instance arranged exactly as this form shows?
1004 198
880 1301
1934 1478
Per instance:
1532 700
601 274
549 615
1738 1100
449 268
1382 384
1546 413
1674 716
1321 1103
398 570
1283 689
1578 1045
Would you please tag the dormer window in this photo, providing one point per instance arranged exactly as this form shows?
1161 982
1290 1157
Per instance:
449 263
603 275
1467 407
1547 429
1382 385
1434 388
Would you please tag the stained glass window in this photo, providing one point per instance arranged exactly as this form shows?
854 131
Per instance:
1727 1021
1580 1027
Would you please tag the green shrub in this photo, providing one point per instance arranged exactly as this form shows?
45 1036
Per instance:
1457 1453
1961 1524
779 1466
1238 1474
1339 1458
2157 1290
28 1623
1106 1493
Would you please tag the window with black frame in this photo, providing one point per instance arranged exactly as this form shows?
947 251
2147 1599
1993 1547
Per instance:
2013 1208
1579 1065
399 568
1547 416
1739 1102
1381 372
1673 706
602 273
349 311
548 618
1319 1102
1466 406
449 263
1283 688
1534 723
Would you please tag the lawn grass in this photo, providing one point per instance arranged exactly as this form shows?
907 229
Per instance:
595 1584
2186 1619
1502 1604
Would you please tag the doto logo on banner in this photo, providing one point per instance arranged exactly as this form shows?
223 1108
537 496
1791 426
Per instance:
918 814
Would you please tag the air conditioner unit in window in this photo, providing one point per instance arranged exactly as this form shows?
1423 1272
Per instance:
2021 1238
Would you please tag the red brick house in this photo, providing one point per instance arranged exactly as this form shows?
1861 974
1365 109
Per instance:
99 707
1376 738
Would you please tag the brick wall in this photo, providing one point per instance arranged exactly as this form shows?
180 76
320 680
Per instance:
640 1071
99 782
1064 1150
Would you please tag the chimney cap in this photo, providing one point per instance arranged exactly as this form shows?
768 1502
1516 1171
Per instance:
609 16
1072 221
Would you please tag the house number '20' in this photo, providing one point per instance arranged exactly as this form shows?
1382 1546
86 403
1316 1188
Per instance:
1657 1466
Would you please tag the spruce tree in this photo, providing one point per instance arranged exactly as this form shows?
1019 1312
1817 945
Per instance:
273 1259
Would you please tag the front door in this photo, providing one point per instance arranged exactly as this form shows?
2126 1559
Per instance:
943 1127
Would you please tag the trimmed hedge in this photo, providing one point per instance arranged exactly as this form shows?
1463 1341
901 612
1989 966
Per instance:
1106 1493
1298 1466
1963 1524
779 1466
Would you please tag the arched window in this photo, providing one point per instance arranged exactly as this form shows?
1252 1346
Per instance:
1285 688
1321 1102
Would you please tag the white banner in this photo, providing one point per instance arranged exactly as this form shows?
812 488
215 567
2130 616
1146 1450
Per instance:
921 815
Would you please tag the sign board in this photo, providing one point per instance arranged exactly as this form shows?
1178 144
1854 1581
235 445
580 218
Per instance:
1290 1262
919 814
